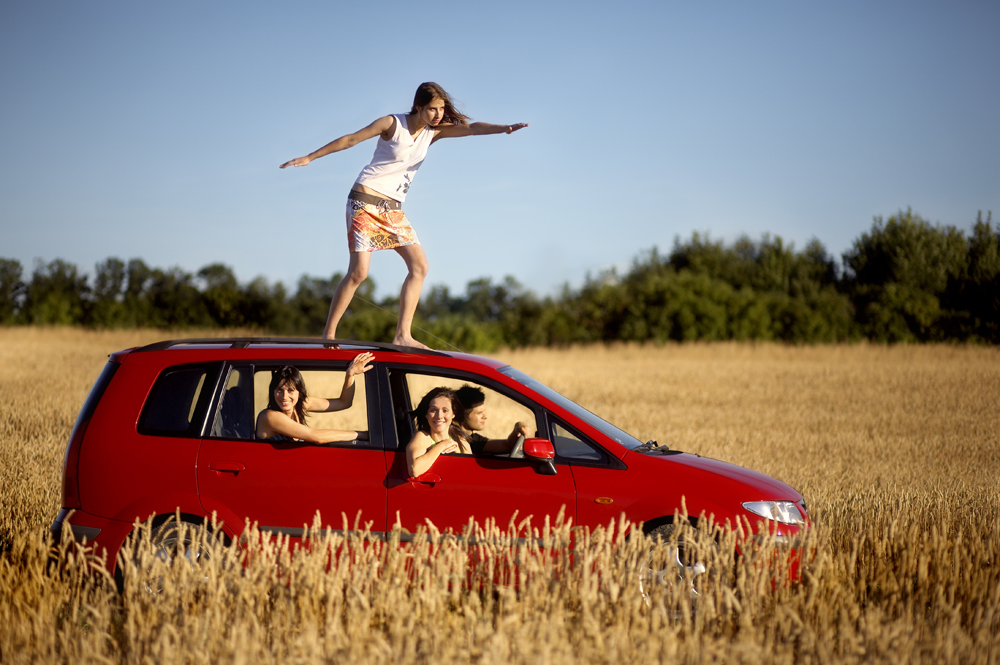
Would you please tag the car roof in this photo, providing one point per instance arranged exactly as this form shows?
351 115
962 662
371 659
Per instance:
229 348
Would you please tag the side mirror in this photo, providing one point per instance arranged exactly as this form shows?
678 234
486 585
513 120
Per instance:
541 451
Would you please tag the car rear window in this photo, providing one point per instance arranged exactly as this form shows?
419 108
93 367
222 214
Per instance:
177 402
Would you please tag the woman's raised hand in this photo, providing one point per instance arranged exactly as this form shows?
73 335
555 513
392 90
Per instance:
513 128
298 161
360 363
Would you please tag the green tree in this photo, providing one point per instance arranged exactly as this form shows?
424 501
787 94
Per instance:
107 306
974 297
266 307
138 303
897 273
10 287
56 294
222 295
175 301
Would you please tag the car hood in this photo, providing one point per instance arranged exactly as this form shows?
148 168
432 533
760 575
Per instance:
758 485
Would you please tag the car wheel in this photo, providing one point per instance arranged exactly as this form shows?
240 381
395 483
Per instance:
676 569
173 542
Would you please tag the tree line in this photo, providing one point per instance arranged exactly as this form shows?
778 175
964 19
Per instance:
904 280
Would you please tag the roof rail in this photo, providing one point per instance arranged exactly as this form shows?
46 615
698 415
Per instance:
244 342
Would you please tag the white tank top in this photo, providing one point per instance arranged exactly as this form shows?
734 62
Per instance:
396 161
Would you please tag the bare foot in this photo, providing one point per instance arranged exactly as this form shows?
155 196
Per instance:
329 338
407 340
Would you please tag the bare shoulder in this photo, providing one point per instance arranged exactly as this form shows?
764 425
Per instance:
420 442
386 126
265 420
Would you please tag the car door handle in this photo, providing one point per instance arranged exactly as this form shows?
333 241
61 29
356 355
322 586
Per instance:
425 479
225 465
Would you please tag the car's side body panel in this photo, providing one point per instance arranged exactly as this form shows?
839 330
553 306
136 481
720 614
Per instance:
459 488
285 484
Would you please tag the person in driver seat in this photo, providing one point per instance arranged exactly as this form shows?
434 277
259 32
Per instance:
473 423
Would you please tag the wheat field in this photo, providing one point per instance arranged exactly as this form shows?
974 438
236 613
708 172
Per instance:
896 450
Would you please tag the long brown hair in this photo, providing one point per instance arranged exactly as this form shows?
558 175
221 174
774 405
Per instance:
290 375
427 92
420 413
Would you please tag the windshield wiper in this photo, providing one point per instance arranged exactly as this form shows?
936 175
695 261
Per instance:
652 445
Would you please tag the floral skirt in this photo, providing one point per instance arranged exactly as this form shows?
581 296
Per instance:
374 223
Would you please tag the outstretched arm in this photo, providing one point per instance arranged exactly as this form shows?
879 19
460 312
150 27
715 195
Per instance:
270 423
357 367
380 126
476 129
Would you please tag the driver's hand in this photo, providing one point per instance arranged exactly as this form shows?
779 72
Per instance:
521 429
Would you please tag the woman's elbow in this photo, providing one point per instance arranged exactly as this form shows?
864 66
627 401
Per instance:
418 466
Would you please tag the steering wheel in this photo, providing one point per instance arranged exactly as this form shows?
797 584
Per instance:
517 452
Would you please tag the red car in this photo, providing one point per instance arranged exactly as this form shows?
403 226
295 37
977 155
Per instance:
170 427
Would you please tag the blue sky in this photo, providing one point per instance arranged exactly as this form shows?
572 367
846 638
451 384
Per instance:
155 130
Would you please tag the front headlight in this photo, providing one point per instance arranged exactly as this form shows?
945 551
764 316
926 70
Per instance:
785 512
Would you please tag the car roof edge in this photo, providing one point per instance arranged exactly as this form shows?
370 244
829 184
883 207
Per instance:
244 342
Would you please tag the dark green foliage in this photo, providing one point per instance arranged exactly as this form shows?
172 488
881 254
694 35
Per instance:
55 295
903 280
107 307
973 297
705 291
10 289
222 296
897 274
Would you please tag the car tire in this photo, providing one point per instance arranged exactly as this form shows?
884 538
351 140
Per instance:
676 570
175 541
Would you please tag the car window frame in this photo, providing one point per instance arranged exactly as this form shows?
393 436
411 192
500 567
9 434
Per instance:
609 461
206 399
389 420
371 399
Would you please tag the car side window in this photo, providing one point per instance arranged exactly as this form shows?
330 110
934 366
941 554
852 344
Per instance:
234 417
573 447
177 397
320 382
501 412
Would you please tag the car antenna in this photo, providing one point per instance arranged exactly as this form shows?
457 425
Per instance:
414 325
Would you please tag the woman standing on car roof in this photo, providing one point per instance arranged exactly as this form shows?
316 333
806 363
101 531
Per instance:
375 218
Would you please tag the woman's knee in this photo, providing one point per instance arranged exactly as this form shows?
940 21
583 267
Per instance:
357 274
419 267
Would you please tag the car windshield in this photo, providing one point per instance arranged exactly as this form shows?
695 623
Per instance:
622 437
